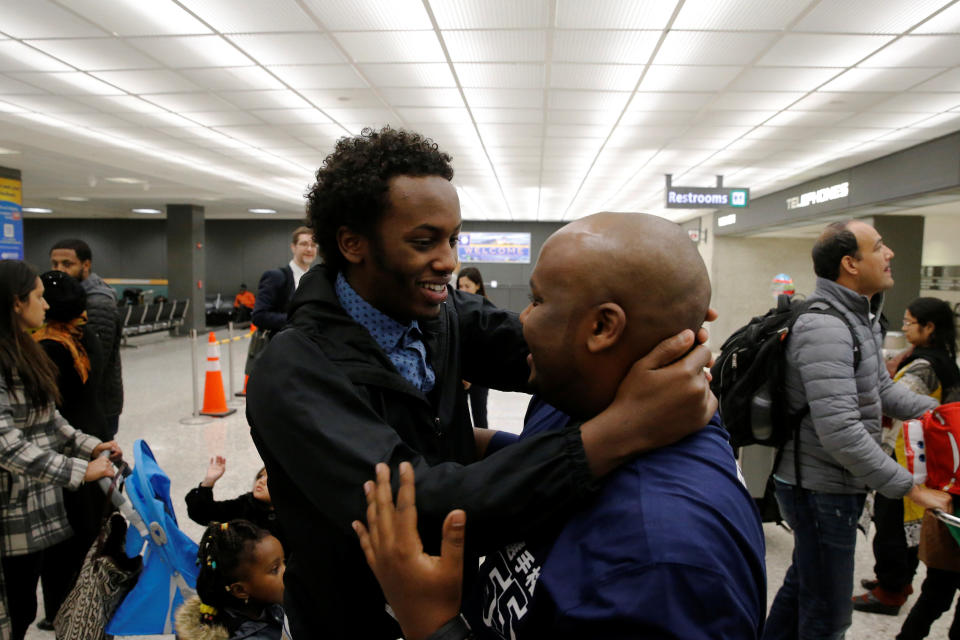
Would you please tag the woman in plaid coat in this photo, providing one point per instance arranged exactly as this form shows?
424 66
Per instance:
40 453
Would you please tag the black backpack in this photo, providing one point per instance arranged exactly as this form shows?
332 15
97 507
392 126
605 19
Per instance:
748 376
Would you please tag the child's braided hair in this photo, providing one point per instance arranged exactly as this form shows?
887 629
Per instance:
224 548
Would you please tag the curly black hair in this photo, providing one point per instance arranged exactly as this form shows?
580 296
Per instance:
224 550
351 187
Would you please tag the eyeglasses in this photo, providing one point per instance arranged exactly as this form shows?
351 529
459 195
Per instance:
907 323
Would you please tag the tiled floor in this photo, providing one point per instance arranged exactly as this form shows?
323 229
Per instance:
157 383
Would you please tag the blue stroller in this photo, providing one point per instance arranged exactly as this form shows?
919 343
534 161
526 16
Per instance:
170 570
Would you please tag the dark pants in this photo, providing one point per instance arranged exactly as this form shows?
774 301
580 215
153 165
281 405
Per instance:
896 563
21 574
936 595
814 601
478 405
113 425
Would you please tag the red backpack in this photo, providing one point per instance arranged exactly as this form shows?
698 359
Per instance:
932 446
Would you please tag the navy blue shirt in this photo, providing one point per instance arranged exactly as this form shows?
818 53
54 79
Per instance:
672 547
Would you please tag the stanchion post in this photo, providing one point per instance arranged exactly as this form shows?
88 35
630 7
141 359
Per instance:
230 382
194 418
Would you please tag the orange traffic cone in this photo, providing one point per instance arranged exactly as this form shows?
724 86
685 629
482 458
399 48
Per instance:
214 399
243 394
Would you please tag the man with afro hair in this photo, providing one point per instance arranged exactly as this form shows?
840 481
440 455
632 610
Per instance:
369 370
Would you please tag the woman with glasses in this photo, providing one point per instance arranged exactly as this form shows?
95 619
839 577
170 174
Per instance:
930 368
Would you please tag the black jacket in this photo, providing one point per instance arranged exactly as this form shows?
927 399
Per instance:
273 298
325 404
203 509
104 318
80 401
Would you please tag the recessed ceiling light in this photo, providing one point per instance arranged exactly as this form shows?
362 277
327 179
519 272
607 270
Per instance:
262 210
4 152
125 180
36 210
151 212
73 198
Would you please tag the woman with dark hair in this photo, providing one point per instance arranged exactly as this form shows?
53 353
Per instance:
74 348
471 281
930 368
40 453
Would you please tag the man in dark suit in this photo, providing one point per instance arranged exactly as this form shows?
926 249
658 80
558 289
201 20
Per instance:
277 285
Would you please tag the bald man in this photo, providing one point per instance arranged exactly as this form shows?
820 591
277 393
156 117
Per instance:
672 547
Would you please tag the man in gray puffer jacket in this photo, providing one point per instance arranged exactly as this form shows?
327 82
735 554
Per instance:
74 257
840 456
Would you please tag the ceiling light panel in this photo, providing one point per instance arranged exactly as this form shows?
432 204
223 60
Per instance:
794 118
840 101
735 118
256 16
885 120
288 116
580 116
613 14
341 98
155 81
592 100
289 49
698 47
68 83
41 19
48 104
37 83
783 78
879 79
324 76
602 77
657 118
370 15
136 18
530 116
921 103
821 50
392 46
918 51
761 101
615 47
738 15
187 102
96 54
661 101
949 120
232 79
192 51
948 81
866 16
496 46
491 14
15 56
409 75
455 116
504 98
501 76
947 21
699 78
371 116
265 99
409 97
94 120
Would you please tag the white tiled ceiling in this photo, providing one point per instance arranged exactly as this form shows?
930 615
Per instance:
552 109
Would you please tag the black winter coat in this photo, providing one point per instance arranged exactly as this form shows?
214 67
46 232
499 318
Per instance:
104 318
325 404
203 509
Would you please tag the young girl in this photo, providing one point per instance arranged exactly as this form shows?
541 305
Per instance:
254 505
40 453
240 586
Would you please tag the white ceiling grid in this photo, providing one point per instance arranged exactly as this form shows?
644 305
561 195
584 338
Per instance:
552 109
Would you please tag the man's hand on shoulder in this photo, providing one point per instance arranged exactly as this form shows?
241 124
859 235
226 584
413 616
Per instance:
660 401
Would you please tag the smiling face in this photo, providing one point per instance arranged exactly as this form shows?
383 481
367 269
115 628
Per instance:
404 268
304 250
260 490
550 325
873 262
32 311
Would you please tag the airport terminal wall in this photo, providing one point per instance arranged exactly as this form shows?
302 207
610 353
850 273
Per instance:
240 250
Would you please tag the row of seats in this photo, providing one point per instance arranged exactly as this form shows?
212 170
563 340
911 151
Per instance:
148 318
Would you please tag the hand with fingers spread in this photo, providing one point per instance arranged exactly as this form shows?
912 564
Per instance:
424 591
218 465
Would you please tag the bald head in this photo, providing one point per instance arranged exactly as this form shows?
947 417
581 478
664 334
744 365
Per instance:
645 264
